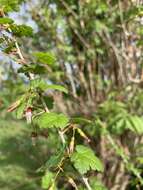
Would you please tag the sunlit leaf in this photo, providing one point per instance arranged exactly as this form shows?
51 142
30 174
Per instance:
21 30
47 180
84 160
45 58
6 20
41 84
50 120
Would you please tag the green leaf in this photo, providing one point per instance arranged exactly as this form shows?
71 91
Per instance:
55 159
9 48
84 160
80 120
32 68
57 87
96 184
49 101
21 30
6 20
117 124
41 84
38 83
136 124
49 120
10 5
45 58
47 180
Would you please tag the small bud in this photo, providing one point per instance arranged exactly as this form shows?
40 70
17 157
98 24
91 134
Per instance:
71 148
83 134
14 106
28 115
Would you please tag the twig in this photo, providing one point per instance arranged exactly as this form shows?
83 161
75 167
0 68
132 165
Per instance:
61 134
85 180
72 182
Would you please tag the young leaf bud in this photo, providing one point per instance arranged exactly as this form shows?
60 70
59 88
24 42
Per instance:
28 115
71 147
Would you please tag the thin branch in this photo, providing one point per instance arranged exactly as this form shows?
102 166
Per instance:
85 180
61 134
